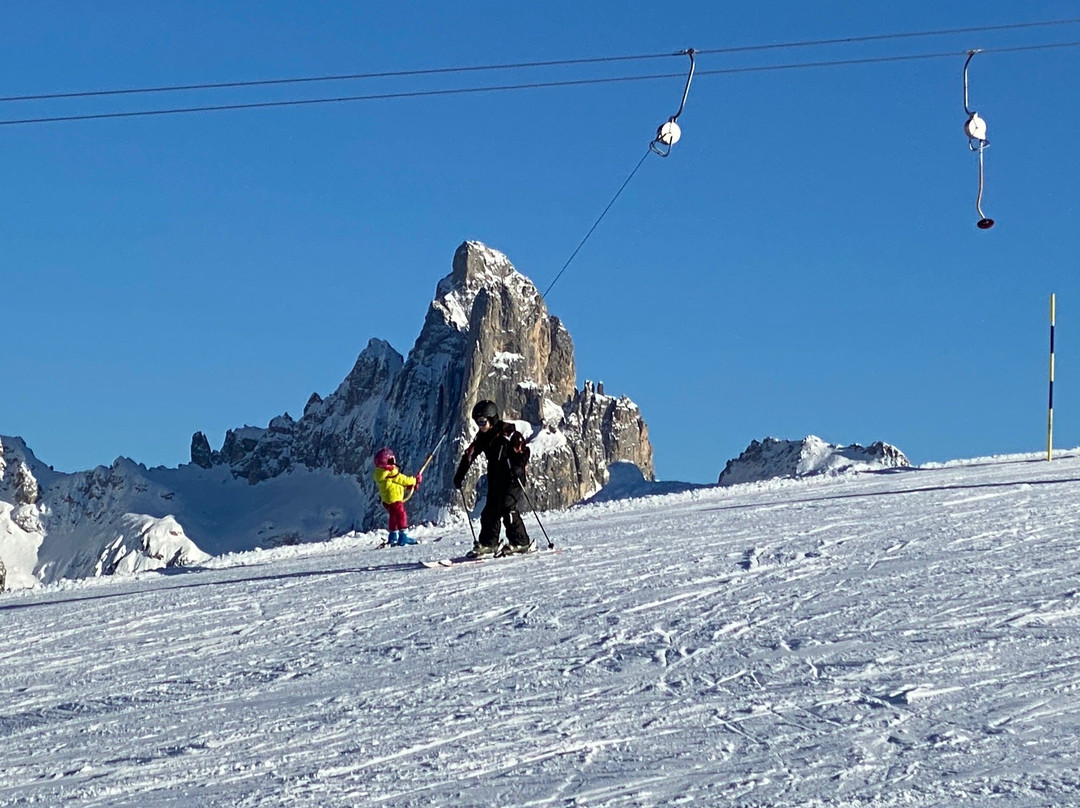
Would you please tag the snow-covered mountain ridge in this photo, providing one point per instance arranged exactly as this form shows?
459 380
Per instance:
856 640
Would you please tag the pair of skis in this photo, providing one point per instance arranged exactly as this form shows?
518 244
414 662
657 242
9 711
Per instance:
460 560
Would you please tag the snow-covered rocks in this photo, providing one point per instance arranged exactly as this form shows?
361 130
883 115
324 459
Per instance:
148 543
786 459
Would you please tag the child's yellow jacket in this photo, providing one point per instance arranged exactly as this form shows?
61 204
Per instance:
392 484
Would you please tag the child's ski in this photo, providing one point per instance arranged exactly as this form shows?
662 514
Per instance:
415 543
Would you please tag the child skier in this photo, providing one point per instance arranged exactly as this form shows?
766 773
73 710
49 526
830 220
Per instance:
507 454
392 484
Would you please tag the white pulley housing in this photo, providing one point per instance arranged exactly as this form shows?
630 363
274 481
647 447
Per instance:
669 133
975 127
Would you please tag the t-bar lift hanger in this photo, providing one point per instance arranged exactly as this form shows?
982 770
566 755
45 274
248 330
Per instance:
669 133
975 128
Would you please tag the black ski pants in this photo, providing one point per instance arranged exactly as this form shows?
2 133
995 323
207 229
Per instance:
501 508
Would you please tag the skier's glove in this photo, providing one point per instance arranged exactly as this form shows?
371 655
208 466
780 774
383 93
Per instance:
419 479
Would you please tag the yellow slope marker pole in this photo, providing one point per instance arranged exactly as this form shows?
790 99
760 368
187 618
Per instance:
1050 415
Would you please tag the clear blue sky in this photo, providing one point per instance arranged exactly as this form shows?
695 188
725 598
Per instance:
805 261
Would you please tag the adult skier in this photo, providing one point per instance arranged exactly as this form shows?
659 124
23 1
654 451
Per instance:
507 455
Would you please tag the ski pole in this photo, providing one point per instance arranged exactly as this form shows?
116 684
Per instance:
551 544
427 462
468 518
428 459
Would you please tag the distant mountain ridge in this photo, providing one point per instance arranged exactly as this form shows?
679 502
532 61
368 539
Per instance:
769 459
787 459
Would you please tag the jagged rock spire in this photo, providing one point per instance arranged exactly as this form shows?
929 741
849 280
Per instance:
487 334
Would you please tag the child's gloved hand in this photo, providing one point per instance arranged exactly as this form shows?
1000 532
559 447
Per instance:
419 479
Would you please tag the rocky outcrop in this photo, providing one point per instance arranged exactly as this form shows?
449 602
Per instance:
786 459
146 543
19 484
487 334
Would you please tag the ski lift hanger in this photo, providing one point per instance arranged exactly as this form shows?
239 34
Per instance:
669 133
975 129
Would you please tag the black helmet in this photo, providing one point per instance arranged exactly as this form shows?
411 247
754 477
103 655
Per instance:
486 409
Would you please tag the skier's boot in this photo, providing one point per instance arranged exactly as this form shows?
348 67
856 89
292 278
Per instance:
519 549
404 538
392 539
481 551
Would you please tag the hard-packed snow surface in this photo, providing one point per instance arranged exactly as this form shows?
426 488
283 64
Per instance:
902 638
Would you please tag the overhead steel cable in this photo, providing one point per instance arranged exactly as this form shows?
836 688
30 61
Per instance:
882 59
525 86
436 71
596 224
336 100
528 65
884 37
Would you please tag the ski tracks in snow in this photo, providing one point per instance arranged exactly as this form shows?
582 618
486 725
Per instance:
880 640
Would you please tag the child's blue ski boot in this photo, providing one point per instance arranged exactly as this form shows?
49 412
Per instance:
404 538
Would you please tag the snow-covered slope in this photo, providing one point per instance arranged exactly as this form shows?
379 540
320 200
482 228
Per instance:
906 639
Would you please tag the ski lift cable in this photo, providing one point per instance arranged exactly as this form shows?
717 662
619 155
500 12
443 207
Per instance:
886 37
913 57
436 71
525 86
597 222
530 65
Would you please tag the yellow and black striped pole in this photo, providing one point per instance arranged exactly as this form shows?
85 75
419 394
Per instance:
1050 415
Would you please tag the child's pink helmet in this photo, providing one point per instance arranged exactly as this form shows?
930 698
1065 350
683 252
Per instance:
384 458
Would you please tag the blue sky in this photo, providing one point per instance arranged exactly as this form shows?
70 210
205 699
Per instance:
805 261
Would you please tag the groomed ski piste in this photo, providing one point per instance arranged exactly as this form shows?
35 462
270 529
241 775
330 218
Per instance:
890 639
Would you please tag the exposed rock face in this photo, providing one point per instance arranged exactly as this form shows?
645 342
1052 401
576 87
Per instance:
487 334
785 459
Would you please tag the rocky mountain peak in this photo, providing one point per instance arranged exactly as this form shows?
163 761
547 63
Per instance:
487 334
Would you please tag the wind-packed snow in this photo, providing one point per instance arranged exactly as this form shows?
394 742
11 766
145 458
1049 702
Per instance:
890 639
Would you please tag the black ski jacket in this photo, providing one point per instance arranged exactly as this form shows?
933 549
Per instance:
507 454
